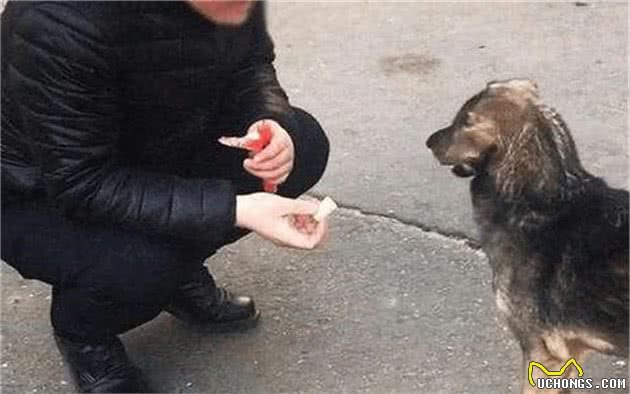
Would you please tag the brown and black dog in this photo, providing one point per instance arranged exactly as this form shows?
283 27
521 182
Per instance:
555 235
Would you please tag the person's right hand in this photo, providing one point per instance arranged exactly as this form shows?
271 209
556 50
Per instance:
279 219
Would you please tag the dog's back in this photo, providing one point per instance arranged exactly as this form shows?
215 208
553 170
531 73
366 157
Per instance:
570 273
593 240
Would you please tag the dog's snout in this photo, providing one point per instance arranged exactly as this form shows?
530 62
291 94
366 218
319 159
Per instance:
434 139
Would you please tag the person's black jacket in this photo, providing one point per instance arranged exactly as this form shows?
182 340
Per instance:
94 94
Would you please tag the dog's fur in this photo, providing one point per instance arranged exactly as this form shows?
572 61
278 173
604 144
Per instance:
555 235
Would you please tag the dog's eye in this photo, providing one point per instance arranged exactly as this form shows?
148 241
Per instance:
463 121
467 121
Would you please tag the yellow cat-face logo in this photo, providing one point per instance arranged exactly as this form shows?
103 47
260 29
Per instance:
570 361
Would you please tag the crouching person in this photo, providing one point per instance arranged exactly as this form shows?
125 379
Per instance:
114 189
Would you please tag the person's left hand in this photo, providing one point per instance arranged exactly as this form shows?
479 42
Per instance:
275 162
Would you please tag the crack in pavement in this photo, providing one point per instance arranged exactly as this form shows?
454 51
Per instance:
431 230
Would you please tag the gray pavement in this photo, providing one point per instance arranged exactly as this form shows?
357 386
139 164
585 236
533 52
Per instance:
396 301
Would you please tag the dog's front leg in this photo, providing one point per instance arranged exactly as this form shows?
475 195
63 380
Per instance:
538 357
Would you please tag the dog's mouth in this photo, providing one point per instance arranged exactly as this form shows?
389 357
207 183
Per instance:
463 170
462 167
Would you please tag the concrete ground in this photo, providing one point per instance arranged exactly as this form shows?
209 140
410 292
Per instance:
397 301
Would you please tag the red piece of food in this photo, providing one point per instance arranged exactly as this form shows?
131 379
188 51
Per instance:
270 187
264 130
254 142
262 141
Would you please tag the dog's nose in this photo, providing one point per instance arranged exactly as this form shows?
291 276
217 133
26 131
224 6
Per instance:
432 140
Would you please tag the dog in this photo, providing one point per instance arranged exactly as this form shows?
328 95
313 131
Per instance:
556 236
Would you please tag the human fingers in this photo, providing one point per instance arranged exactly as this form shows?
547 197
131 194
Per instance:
275 147
283 157
271 175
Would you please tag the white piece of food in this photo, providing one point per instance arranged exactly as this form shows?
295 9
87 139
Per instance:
240 142
326 207
234 142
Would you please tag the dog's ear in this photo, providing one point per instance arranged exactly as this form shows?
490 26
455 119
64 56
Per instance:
493 86
490 84
515 89
514 83
529 167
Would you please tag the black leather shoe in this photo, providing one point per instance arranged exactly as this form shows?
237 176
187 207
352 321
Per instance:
102 367
200 302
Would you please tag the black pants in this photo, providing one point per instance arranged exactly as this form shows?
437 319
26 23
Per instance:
107 280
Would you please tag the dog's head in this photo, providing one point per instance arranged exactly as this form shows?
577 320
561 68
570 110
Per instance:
474 139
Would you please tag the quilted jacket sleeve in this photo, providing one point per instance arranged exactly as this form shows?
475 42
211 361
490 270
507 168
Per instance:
66 89
255 92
